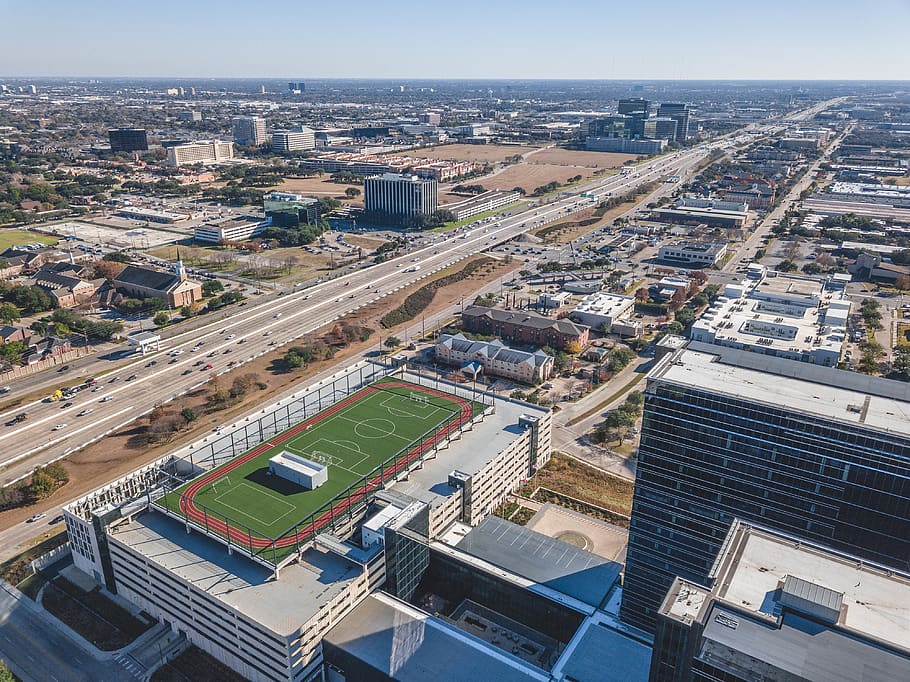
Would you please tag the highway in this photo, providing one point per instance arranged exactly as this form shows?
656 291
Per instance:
52 432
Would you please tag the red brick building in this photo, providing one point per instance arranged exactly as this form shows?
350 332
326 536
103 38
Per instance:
525 327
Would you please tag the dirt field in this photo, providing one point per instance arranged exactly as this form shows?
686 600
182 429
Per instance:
111 457
319 187
572 157
570 477
491 153
529 176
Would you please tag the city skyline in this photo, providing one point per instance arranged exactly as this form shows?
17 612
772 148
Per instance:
713 41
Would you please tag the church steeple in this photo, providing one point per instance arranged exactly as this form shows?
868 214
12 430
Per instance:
179 270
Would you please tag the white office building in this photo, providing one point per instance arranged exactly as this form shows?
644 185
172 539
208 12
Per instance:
787 317
300 140
705 254
213 151
229 229
249 130
601 310
400 195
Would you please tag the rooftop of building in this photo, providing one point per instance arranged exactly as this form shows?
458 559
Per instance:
800 608
283 606
604 303
524 318
542 559
496 432
583 660
710 248
410 646
859 399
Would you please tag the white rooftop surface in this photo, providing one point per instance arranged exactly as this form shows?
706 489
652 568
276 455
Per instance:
782 313
602 303
878 605
869 190
297 463
701 370
688 600
282 605
470 454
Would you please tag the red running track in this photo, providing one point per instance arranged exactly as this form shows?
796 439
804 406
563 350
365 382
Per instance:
188 504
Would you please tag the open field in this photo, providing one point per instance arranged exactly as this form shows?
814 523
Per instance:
10 238
388 424
317 187
489 153
530 176
572 157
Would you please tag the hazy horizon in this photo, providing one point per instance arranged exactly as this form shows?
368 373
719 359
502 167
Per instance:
703 40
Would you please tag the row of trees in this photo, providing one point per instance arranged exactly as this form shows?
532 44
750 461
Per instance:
619 422
43 481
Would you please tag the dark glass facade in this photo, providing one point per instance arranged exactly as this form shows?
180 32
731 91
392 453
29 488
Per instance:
707 458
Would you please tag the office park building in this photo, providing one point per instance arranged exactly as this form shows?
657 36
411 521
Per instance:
400 197
259 540
812 452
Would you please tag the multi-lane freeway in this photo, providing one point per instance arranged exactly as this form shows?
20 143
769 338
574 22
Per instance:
190 358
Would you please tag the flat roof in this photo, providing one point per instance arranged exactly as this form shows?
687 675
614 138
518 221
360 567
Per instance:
411 646
545 560
799 386
877 601
283 606
497 431
629 659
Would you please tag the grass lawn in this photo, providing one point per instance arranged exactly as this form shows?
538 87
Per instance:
10 238
480 216
352 438
583 482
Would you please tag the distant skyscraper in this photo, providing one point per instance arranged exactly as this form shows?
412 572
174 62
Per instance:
660 128
261 89
250 131
680 114
634 105
128 140
809 451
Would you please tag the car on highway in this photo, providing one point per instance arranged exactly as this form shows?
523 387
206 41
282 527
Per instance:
207 367
64 368
97 388
151 364
5 389
58 427
231 336
177 352
268 333
106 399
113 380
87 410
65 405
36 517
57 519
277 315
132 376
198 363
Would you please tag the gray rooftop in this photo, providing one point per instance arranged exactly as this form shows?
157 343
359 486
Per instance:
524 318
282 606
545 560
629 659
410 646
800 386
800 647
469 454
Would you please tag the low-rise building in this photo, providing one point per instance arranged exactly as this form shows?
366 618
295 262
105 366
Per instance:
482 203
284 209
175 288
782 608
214 151
151 215
786 317
622 145
229 229
525 327
496 358
701 254
67 291
602 310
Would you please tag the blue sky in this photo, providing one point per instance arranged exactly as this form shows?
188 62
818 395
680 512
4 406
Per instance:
681 39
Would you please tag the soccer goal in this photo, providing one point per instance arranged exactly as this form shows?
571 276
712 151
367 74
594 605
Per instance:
419 398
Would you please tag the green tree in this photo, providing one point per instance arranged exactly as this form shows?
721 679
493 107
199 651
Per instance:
211 287
6 674
42 485
901 362
161 319
392 342
12 351
9 313
352 192
685 316
188 414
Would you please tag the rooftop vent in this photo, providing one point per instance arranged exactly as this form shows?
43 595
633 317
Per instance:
811 599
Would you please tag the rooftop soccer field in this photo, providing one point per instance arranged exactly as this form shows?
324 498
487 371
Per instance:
390 419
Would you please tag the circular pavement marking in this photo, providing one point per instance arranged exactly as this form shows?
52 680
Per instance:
375 428
574 538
